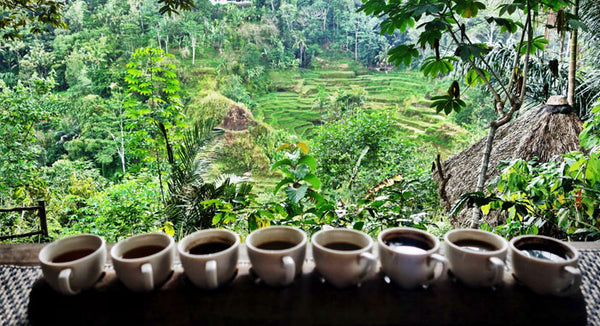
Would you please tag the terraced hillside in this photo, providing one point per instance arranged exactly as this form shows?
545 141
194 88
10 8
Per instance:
293 105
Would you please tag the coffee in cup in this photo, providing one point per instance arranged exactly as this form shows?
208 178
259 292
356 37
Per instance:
277 253
74 263
545 265
144 261
409 257
209 257
476 257
343 256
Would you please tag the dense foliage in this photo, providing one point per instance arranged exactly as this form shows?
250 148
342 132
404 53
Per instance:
116 121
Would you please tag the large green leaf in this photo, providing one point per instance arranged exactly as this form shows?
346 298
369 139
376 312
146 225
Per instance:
284 181
296 194
403 54
538 43
285 162
308 160
433 67
313 180
447 104
506 24
429 37
592 173
478 198
510 8
472 78
417 10
468 9
301 171
470 51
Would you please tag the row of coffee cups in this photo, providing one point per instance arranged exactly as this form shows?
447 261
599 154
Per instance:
409 257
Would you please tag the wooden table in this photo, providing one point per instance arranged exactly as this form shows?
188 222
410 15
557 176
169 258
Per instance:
308 301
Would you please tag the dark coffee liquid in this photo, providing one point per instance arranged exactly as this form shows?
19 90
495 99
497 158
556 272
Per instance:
276 245
142 251
541 251
209 248
407 245
475 245
72 255
343 246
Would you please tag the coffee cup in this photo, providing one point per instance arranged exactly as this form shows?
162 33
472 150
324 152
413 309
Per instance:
409 257
209 257
476 257
74 263
144 261
545 265
343 256
277 253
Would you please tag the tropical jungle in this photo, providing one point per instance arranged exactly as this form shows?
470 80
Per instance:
132 116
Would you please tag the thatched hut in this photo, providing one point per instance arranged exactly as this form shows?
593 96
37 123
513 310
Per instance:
543 133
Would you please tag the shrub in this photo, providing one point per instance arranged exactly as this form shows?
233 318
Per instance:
241 154
121 210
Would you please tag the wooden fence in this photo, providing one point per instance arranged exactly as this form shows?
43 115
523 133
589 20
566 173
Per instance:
41 210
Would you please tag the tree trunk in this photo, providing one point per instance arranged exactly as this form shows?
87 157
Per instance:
193 40
272 6
516 101
160 183
573 60
356 44
476 220
121 150
141 18
163 131
158 38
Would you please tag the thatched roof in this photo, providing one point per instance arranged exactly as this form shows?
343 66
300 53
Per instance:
544 133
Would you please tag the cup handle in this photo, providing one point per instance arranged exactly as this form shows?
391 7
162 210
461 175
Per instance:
289 267
211 274
147 277
369 260
497 267
64 284
441 260
575 276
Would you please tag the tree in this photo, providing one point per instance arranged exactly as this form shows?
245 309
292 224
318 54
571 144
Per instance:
45 15
39 16
449 18
22 109
573 59
153 81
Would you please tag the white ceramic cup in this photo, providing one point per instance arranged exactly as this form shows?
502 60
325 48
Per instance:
143 272
476 257
277 267
73 263
343 268
210 269
409 257
545 265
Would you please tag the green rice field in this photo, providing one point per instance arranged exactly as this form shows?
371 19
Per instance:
292 104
